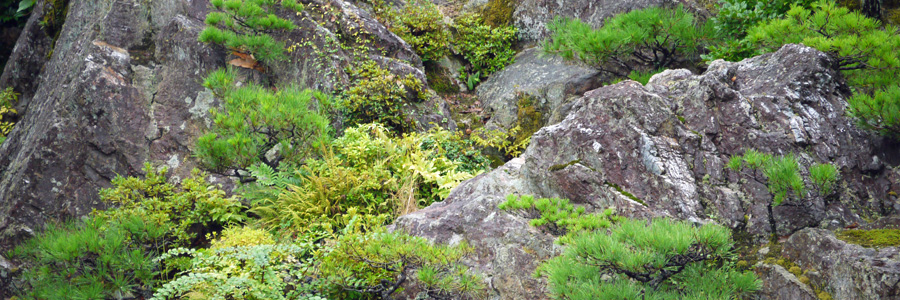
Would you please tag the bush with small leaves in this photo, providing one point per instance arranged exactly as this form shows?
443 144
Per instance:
367 171
7 113
377 95
375 264
245 26
421 24
259 272
658 259
487 49
258 126
188 210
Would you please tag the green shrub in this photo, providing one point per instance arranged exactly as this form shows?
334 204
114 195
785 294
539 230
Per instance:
783 175
15 11
245 26
734 17
879 112
643 76
93 259
561 217
648 39
187 210
254 123
7 99
863 48
823 177
487 49
375 264
259 272
659 259
377 95
368 171
421 24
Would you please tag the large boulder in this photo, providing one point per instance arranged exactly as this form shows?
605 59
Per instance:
122 86
779 284
661 150
846 271
529 91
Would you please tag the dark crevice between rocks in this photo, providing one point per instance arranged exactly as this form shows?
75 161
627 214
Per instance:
55 12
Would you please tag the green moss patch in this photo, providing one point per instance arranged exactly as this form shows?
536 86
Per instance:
555 168
871 238
626 193
498 12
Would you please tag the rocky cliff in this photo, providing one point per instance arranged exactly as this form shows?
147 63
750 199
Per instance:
661 150
118 83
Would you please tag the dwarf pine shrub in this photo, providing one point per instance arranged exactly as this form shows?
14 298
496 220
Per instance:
864 49
647 39
256 125
658 259
246 26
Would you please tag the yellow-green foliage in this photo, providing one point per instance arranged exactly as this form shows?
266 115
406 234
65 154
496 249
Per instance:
487 49
193 205
260 272
498 13
242 236
374 264
367 171
506 141
7 99
421 24
871 238
377 95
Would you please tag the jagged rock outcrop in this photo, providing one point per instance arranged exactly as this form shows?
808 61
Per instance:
846 271
121 85
661 150
779 284
545 80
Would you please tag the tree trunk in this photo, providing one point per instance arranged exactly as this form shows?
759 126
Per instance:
872 8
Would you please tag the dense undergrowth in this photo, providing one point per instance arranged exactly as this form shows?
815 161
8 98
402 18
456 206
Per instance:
307 220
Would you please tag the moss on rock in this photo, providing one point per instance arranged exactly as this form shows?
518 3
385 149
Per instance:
871 238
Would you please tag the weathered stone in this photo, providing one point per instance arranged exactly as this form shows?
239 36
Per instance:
845 270
123 86
546 79
661 150
779 284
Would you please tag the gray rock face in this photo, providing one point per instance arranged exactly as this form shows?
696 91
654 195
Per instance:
848 271
779 284
547 80
661 150
531 16
123 86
